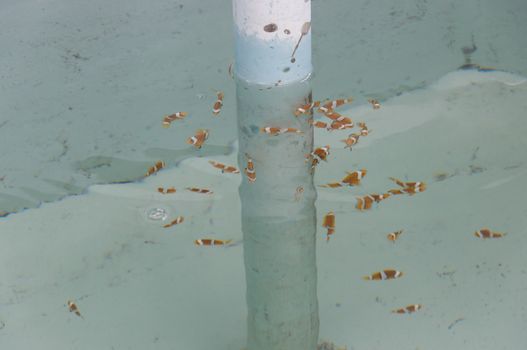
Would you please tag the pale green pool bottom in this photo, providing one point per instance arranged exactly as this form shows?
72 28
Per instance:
141 286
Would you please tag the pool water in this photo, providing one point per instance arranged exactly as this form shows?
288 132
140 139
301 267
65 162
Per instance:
83 129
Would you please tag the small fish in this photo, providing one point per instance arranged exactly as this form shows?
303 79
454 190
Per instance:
394 235
408 187
329 223
168 119
218 104
336 125
364 202
408 309
199 190
329 106
211 242
318 155
274 131
487 233
249 170
224 168
383 275
364 131
154 169
351 140
319 124
306 108
73 308
353 178
374 103
337 117
176 221
379 197
199 138
332 185
166 190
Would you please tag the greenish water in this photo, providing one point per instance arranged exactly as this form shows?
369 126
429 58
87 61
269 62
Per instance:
84 90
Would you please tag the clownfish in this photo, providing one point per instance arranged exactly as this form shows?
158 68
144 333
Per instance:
364 131
176 221
218 104
274 131
487 233
351 140
408 309
379 197
306 108
154 169
383 275
319 124
329 223
224 168
199 138
72 307
353 178
249 170
318 155
337 117
334 104
168 119
408 187
166 190
364 202
374 103
211 242
394 235
200 190
336 125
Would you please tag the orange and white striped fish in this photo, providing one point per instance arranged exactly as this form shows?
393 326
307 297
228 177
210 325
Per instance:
72 307
393 236
329 106
332 185
199 138
387 274
336 125
374 103
351 140
306 108
218 104
249 170
211 242
337 117
364 202
224 168
408 309
319 124
487 233
199 190
154 169
318 155
379 197
329 223
408 187
168 190
176 221
354 177
274 131
168 119
364 131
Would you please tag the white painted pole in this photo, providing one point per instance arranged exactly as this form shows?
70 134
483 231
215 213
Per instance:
272 40
272 70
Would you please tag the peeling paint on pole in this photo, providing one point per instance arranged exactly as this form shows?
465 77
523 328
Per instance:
272 40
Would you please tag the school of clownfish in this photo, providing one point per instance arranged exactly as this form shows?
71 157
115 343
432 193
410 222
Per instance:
319 154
